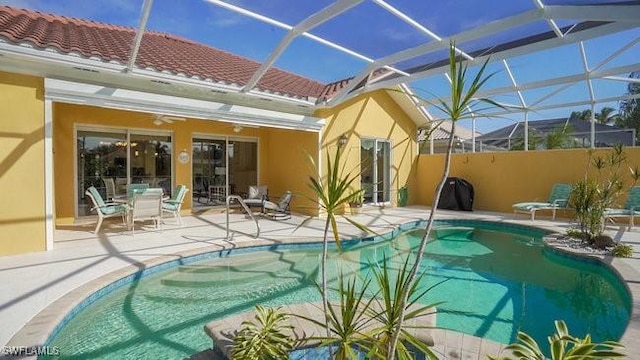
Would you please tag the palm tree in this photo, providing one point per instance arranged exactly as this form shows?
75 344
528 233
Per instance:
460 106
606 115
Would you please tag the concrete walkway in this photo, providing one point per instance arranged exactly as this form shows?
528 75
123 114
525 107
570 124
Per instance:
30 283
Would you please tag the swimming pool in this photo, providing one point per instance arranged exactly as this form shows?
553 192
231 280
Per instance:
499 282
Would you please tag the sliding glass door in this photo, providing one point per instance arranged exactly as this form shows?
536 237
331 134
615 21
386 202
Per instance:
122 157
151 161
375 158
222 167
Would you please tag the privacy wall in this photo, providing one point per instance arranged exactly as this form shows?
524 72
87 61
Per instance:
504 178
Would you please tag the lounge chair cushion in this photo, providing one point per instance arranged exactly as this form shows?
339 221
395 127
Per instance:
620 212
527 206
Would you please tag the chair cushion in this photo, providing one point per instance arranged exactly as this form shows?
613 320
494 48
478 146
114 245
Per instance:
528 206
170 206
113 209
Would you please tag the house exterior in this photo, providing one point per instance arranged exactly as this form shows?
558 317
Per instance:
78 108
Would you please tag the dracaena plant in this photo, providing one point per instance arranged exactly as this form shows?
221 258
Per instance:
388 309
348 320
265 339
461 104
332 193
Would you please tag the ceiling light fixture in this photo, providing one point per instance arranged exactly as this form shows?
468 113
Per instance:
237 128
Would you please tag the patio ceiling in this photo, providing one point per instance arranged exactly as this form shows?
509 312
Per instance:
589 46
405 42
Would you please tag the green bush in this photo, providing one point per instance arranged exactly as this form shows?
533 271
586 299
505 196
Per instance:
265 340
622 250
562 346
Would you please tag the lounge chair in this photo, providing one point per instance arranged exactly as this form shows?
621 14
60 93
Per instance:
174 204
558 199
105 210
279 211
631 208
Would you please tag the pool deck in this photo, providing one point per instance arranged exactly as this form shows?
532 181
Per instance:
30 283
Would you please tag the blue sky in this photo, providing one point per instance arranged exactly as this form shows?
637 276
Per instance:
369 30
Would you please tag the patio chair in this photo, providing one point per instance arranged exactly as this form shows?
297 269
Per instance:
631 208
558 199
147 205
105 210
257 194
133 188
174 204
112 193
279 211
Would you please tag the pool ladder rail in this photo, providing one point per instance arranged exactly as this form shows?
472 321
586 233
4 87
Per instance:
246 209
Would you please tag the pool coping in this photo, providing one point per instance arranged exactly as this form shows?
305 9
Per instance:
629 276
41 327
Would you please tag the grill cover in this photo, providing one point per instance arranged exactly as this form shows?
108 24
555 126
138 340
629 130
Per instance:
457 194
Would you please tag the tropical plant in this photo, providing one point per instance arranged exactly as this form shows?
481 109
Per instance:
560 138
462 104
390 308
606 115
602 185
562 346
364 321
332 194
630 107
534 140
622 250
267 339
348 320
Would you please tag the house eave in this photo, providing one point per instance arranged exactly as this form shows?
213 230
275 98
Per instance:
50 63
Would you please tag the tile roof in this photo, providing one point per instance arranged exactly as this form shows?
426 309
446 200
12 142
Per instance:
158 51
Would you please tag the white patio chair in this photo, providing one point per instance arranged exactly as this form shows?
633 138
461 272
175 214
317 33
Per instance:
105 210
147 205
174 204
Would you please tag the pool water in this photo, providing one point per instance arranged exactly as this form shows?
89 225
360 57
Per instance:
497 284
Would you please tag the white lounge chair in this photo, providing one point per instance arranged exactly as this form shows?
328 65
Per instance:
558 199
631 208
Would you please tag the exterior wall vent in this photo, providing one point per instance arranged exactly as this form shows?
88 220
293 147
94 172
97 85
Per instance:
85 69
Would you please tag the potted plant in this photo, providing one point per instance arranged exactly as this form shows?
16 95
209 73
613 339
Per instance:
356 203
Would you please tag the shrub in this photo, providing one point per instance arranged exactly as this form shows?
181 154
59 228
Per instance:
562 346
600 188
265 340
622 250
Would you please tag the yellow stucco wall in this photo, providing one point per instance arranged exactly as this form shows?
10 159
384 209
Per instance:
22 216
505 178
288 168
374 115
279 150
